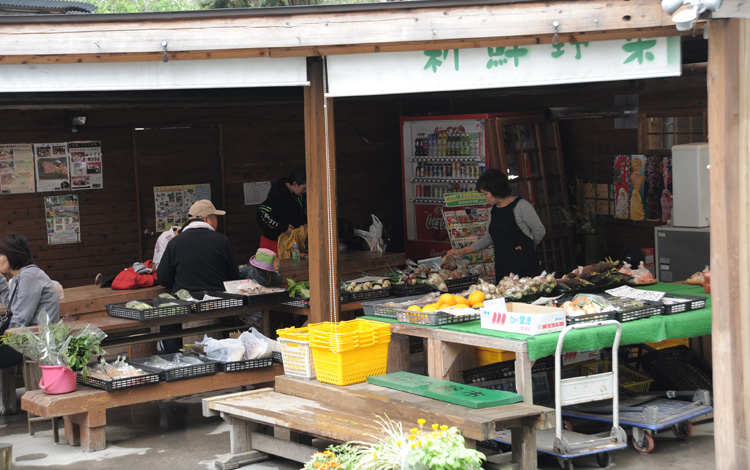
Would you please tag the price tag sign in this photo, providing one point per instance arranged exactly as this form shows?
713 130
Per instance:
629 292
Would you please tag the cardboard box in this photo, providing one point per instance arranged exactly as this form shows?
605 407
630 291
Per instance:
522 318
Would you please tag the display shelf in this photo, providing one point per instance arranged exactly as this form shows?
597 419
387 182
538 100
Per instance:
442 179
463 159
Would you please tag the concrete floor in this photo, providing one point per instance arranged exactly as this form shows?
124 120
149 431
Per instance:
174 435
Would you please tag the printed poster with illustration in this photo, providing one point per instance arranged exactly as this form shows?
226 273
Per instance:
16 169
637 189
622 186
173 203
52 167
86 165
63 222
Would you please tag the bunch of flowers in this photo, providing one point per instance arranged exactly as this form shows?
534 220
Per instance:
442 448
341 457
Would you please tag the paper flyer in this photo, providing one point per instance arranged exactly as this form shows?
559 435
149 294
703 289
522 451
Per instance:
637 178
63 222
16 169
173 203
52 167
86 165
622 187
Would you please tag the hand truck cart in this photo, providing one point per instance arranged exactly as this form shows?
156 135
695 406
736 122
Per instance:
650 413
566 444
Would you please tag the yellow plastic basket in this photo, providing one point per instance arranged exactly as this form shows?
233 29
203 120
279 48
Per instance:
297 334
631 380
487 356
297 357
352 366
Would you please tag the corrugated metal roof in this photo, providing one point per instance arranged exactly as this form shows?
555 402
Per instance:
47 5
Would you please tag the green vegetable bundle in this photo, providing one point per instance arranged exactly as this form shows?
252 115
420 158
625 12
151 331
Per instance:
299 289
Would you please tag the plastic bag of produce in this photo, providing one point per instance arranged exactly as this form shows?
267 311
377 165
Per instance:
256 345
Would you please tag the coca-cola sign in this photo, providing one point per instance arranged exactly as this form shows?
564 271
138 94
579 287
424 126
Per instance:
430 222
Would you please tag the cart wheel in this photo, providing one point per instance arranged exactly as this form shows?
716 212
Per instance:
683 430
646 446
603 459
565 464
567 425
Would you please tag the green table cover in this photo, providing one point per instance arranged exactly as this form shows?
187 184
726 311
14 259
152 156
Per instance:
648 330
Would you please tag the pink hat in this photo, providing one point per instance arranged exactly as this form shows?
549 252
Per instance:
263 259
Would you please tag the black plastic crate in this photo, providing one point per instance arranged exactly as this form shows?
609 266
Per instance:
461 282
540 386
496 371
592 318
402 290
369 294
225 300
277 357
208 367
119 384
648 309
678 368
305 303
245 364
266 299
159 310
682 303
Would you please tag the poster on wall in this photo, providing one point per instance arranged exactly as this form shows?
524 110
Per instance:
63 222
173 203
256 193
16 169
86 165
52 167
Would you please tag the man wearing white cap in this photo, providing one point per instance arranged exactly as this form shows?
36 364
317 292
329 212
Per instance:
200 259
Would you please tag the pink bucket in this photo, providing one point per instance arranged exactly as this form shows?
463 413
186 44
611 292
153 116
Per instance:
57 379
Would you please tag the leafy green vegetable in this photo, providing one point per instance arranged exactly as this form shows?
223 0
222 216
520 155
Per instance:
166 296
183 294
138 305
299 289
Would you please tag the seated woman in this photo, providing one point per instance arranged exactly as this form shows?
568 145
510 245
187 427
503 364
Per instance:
29 295
261 269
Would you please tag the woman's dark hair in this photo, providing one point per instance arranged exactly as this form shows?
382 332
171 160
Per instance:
16 248
494 182
298 175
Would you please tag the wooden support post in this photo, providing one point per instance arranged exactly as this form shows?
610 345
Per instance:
399 355
6 456
729 146
523 439
322 228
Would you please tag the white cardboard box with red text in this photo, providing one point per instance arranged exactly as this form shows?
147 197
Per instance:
515 317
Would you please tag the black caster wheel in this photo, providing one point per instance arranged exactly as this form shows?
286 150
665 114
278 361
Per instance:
565 464
567 425
683 430
603 459
646 445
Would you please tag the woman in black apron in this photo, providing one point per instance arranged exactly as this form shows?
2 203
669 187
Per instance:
514 229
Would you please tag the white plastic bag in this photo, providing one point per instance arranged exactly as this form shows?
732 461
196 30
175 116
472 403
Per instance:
374 237
224 350
256 345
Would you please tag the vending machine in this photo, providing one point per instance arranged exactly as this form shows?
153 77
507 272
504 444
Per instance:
439 155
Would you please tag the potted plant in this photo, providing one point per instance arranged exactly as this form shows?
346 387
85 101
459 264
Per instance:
592 227
59 351
442 448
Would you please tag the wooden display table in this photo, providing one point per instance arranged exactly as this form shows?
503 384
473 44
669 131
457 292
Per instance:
299 409
84 411
351 265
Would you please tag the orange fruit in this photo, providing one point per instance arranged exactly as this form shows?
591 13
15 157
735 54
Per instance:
476 297
428 308
460 300
447 299
442 306
416 308
479 304
464 304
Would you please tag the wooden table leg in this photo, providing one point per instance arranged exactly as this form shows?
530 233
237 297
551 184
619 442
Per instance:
523 443
240 444
8 399
87 429
523 377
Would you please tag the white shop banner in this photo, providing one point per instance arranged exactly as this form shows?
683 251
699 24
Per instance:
154 75
502 67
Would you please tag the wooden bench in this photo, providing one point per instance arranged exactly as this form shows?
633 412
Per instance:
300 409
84 411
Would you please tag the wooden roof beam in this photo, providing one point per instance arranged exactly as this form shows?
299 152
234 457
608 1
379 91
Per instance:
318 33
